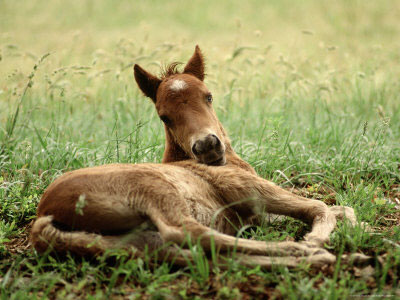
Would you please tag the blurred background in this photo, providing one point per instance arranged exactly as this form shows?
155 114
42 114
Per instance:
80 27
341 34
309 70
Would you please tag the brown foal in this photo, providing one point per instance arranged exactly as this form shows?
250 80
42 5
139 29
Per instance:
203 191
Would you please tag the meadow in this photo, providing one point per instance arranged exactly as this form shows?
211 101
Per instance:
309 92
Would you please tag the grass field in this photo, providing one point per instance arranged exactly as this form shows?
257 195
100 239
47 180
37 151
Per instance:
309 92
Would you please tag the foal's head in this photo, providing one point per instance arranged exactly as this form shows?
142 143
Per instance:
184 104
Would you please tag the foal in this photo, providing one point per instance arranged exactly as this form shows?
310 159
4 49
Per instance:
203 191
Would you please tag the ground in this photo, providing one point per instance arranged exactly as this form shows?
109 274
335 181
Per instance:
308 91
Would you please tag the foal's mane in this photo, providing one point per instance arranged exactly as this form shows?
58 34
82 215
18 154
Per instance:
169 70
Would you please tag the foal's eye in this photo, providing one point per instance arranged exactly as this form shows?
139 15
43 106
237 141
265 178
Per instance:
209 98
166 120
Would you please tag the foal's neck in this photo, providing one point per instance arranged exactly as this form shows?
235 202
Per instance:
173 152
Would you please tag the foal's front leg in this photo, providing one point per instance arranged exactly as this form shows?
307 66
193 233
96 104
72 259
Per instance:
321 217
268 197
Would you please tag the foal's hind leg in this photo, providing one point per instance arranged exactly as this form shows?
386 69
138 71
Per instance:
316 260
185 257
178 230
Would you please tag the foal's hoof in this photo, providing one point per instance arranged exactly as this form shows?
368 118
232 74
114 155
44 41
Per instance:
344 212
358 259
321 259
311 244
313 241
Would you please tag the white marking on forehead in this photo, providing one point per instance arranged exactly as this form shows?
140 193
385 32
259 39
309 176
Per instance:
178 85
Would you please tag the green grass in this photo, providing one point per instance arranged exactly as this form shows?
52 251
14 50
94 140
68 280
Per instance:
308 91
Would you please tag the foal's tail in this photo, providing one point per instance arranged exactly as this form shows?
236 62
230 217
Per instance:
45 236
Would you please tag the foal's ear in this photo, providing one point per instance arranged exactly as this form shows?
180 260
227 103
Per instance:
195 65
147 82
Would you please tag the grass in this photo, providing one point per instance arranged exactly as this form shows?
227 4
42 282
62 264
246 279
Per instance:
308 91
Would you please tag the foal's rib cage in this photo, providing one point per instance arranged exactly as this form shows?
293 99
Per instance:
200 167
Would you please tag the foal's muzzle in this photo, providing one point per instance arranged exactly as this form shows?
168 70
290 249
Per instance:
209 150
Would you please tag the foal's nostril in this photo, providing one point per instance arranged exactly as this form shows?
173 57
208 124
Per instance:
217 141
195 152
